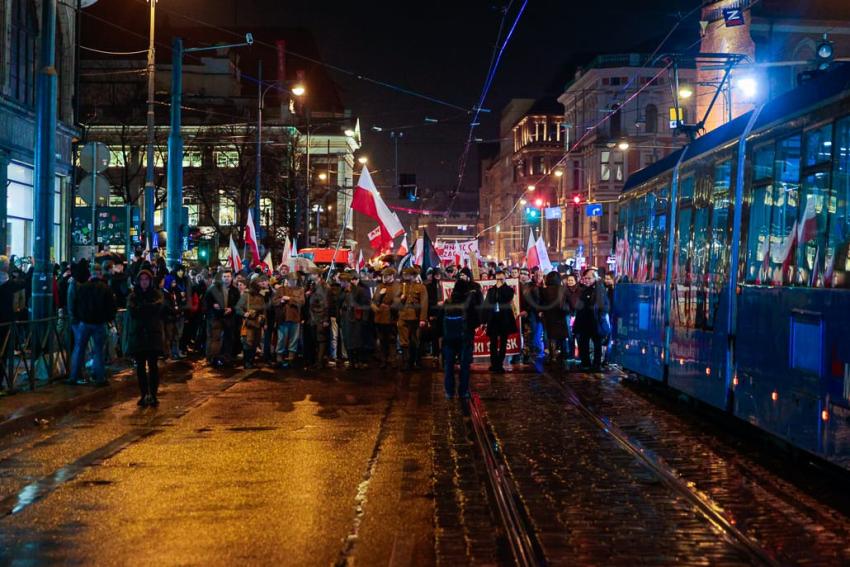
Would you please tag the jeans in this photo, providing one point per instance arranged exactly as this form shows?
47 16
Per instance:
82 333
287 338
457 349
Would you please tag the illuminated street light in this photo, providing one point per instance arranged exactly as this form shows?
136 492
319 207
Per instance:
522 201
349 132
623 145
323 176
299 90
531 187
748 87
559 173
362 160
686 91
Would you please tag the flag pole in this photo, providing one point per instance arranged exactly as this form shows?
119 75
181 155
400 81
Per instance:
339 242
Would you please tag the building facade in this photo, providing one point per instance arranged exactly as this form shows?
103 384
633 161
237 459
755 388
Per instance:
612 131
20 29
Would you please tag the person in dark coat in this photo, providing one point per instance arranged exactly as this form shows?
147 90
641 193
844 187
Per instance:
590 309
572 293
458 320
145 337
93 308
552 305
9 286
499 318
220 305
435 299
353 311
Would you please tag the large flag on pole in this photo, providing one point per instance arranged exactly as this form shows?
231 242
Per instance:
268 262
361 263
368 201
379 240
251 240
233 258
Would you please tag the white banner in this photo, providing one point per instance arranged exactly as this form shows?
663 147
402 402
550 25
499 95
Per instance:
448 249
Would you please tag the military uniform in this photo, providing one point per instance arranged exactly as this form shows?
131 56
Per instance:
413 309
385 304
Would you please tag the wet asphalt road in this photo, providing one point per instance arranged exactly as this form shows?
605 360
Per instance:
238 468
377 468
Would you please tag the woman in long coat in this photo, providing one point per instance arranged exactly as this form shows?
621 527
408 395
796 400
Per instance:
553 305
145 337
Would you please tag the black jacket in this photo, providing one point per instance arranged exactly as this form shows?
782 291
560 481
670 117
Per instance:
94 302
7 292
215 295
591 305
144 334
498 311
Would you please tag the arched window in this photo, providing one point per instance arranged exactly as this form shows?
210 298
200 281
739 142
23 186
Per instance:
23 31
651 117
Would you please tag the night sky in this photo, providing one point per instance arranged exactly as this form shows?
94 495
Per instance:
443 49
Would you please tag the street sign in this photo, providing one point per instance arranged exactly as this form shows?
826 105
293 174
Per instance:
94 157
733 17
593 210
552 213
96 183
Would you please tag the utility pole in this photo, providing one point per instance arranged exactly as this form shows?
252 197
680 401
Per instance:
259 159
150 193
174 219
44 167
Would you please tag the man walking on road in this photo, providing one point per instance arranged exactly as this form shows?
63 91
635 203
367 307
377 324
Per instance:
93 308
412 317
459 319
499 316
385 302
220 302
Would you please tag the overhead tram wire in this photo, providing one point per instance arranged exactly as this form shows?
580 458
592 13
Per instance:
495 58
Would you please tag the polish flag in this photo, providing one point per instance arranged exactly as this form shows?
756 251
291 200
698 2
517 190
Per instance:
233 259
287 251
378 239
368 201
419 251
402 249
361 263
251 239
543 256
532 259
808 228
786 253
269 263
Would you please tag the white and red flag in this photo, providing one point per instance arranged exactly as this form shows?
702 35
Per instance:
531 257
419 251
361 263
294 252
368 201
268 263
402 248
543 256
287 251
378 239
808 228
251 239
233 259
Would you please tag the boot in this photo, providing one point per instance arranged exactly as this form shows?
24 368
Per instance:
320 356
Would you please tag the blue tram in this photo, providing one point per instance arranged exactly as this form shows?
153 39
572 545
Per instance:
735 272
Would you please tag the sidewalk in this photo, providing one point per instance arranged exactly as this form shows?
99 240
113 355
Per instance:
28 408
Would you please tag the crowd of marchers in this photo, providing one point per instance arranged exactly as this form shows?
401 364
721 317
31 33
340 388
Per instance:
310 319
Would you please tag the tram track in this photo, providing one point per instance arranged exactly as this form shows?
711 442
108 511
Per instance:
710 510
521 538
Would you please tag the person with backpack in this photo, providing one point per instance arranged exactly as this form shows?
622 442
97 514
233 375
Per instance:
459 321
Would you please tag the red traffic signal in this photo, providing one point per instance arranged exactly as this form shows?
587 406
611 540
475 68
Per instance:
577 199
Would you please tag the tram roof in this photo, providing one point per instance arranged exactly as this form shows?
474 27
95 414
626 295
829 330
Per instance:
785 105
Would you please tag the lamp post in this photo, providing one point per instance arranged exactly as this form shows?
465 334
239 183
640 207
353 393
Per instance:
44 166
174 249
261 98
150 193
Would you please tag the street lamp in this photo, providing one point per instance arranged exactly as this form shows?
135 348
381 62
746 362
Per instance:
559 173
531 187
323 176
623 145
362 160
685 91
261 97
299 90
349 132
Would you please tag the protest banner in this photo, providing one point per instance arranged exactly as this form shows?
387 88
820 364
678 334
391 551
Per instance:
481 347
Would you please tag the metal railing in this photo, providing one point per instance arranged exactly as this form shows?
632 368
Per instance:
38 351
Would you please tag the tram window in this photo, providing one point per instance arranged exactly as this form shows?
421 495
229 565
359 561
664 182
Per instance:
659 249
699 265
819 145
758 234
763 162
837 257
784 214
811 246
682 265
717 257
687 187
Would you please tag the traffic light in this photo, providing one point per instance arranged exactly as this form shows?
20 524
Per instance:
576 200
824 54
531 213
